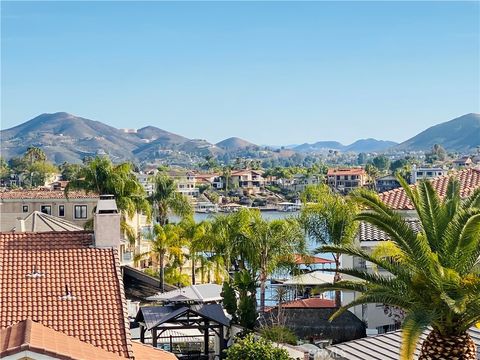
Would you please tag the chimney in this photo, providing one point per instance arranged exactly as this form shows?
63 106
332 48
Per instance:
106 223
19 225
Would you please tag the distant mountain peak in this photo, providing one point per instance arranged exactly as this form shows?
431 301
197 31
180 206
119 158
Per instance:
235 143
459 134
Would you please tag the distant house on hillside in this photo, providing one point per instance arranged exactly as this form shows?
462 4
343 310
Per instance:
250 181
186 183
346 179
462 162
421 173
388 182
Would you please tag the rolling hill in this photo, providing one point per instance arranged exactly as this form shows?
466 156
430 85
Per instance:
362 145
460 134
235 144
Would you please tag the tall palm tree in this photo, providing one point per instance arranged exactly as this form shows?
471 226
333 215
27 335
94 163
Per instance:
435 274
194 235
34 154
165 199
329 218
273 242
101 176
164 240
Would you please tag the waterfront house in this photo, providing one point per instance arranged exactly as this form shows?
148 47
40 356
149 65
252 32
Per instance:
385 183
421 173
248 181
186 183
346 179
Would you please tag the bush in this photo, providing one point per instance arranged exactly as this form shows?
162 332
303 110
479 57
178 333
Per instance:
280 334
250 348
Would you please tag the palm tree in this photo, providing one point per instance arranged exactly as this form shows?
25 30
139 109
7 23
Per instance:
34 154
434 276
166 199
100 176
164 240
273 242
195 237
329 218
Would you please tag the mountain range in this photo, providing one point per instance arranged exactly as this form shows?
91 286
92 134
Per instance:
66 137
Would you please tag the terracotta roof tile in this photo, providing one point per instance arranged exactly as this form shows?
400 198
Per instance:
312 303
145 352
469 181
45 194
346 171
35 337
96 315
305 259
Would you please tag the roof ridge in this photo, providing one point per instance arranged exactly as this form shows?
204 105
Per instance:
123 299
27 333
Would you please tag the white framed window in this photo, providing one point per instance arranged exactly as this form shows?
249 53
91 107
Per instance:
25 208
61 210
80 211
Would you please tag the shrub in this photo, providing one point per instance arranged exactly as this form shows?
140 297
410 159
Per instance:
280 334
250 348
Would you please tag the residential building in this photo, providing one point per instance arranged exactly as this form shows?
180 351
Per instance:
346 179
421 173
62 296
462 162
386 183
186 183
249 181
18 204
379 318
216 181
146 180
299 182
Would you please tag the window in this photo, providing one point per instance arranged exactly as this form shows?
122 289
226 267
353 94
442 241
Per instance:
61 210
25 208
46 209
80 211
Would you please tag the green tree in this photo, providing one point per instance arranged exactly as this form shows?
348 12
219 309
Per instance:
69 171
381 162
373 173
361 158
329 219
434 275
166 199
194 235
273 242
250 348
100 176
164 240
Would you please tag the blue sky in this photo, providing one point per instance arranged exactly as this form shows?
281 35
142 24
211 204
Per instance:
270 72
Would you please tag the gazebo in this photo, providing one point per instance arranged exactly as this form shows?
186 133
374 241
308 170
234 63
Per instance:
208 319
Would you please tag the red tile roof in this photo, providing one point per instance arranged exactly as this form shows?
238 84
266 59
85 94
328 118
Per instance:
469 181
97 315
311 303
299 259
45 194
146 352
28 335
347 171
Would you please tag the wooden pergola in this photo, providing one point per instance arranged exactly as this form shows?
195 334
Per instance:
209 319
